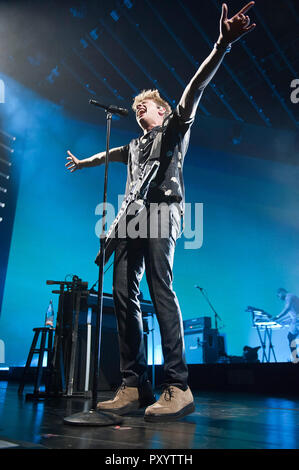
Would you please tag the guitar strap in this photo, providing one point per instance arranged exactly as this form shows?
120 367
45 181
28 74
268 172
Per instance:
157 143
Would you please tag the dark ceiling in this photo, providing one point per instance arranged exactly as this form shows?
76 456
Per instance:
109 50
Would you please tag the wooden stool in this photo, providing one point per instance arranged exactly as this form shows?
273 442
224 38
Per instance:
44 332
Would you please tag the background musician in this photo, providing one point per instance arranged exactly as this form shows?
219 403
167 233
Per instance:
290 310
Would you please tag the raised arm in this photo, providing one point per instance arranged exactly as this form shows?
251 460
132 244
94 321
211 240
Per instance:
117 154
231 30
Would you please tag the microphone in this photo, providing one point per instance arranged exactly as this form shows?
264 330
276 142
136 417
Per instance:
110 108
197 287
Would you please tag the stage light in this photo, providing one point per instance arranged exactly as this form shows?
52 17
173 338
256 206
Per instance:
128 4
2 204
53 74
11 137
34 61
114 15
78 12
5 162
84 43
93 34
237 133
4 175
236 140
3 190
10 150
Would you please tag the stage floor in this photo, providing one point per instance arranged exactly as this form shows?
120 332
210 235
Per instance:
221 421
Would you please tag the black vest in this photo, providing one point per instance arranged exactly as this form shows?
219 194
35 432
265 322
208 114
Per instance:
168 144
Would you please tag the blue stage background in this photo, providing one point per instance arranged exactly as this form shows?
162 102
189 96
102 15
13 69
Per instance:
250 226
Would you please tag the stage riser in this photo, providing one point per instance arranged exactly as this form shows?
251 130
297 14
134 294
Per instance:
273 378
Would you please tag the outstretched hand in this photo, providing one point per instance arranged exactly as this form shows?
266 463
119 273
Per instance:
73 163
236 27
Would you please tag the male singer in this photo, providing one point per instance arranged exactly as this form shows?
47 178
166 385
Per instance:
165 137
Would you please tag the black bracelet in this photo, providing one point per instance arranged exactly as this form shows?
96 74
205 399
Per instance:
220 47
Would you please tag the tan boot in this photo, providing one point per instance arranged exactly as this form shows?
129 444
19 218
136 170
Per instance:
173 404
128 399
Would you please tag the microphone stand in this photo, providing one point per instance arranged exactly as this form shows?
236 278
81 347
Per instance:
207 299
94 417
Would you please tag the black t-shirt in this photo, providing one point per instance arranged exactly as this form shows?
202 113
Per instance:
168 185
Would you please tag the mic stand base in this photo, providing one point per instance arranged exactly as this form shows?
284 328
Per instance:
93 418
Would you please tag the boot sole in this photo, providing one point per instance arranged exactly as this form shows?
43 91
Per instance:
170 416
126 409
120 411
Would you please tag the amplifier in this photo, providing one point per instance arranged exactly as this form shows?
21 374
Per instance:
200 322
201 346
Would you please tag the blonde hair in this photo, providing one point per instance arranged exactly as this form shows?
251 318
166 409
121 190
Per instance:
153 95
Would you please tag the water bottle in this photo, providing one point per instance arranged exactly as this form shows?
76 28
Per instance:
50 315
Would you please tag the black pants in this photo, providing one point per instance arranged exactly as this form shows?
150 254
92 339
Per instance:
154 255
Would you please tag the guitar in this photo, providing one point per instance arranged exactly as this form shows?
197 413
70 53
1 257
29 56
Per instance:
133 204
